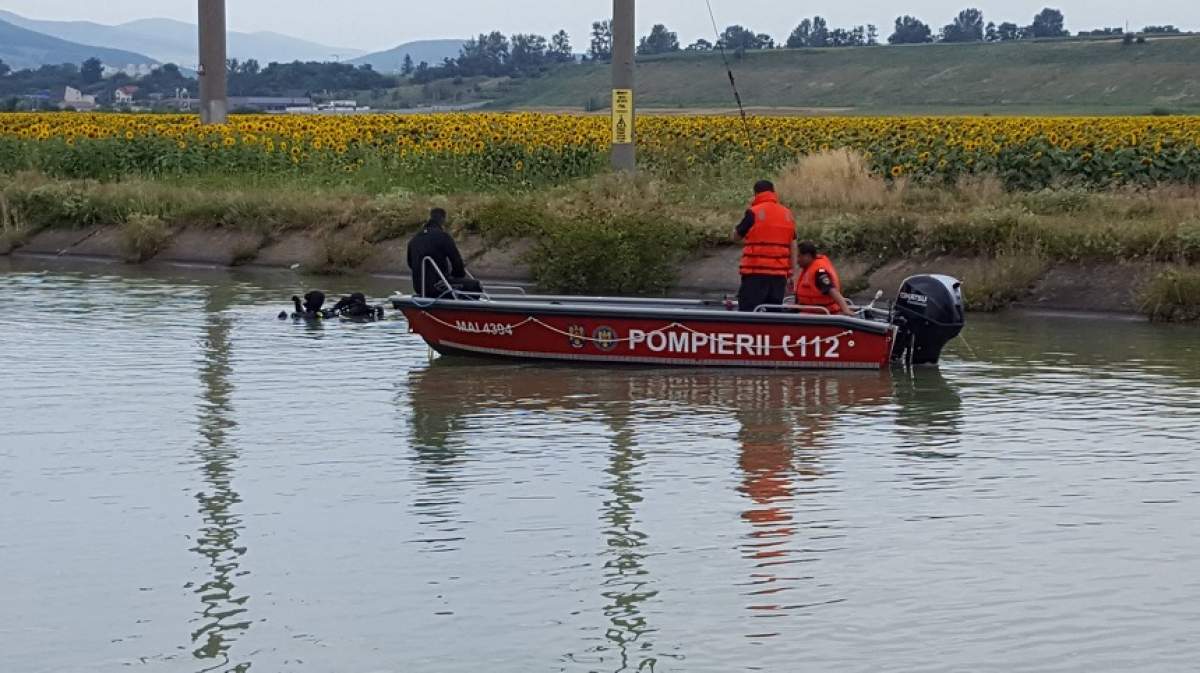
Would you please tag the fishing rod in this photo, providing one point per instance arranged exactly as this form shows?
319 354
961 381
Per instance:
729 70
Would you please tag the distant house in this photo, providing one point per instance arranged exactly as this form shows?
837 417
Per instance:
124 95
76 99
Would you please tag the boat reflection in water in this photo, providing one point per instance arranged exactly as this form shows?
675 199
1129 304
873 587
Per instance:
222 616
782 420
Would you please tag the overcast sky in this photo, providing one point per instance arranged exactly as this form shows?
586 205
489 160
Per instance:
379 24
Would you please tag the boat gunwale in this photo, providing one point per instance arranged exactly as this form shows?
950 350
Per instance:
643 309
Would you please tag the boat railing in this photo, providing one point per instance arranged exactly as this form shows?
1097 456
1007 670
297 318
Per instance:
788 308
454 293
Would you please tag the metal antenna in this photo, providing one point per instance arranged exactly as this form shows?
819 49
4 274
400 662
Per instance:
729 70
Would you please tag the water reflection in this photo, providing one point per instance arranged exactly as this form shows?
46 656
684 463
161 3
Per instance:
929 413
626 583
438 402
223 616
782 422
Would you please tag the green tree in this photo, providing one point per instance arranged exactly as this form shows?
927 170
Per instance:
966 27
528 52
659 41
820 33
4 69
1161 30
407 67
739 38
910 30
700 45
601 45
800 35
560 48
872 35
1008 32
91 71
1048 23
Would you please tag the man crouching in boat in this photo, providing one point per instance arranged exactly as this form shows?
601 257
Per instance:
818 284
768 235
435 243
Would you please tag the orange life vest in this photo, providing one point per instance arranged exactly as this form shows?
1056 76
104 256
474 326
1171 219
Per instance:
807 291
767 248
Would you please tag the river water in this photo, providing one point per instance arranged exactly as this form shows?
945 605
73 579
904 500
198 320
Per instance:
189 484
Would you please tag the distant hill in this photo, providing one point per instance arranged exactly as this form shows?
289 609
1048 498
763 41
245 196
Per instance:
1069 77
21 48
432 52
171 41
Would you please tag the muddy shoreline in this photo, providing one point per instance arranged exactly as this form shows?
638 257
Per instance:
1094 288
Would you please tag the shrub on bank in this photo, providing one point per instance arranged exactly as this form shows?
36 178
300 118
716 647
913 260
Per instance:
612 255
143 236
1173 296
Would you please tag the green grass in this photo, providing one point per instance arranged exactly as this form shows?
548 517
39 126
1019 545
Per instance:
1053 77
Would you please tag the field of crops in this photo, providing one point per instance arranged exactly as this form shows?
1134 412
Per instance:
535 149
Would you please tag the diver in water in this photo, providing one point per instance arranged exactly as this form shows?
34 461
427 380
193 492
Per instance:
356 307
310 309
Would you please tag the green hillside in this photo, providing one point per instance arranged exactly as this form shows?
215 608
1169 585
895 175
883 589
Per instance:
1069 77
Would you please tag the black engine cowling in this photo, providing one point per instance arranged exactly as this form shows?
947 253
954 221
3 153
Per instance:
929 313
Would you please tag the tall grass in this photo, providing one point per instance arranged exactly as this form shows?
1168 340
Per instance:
839 178
1173 296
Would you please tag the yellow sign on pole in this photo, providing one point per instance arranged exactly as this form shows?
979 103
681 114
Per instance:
622 116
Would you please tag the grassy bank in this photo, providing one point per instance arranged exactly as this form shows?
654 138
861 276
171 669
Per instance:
602 234
1054 77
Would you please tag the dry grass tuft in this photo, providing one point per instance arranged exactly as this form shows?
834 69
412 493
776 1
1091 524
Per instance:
981 189
143 236
836 179
1173 296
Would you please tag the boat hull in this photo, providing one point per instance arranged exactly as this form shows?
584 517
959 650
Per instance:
666 336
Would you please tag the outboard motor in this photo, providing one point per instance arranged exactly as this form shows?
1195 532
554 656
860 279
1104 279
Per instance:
929 312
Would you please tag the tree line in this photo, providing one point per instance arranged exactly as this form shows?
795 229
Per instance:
495 55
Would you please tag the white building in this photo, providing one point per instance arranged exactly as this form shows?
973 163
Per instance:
74 98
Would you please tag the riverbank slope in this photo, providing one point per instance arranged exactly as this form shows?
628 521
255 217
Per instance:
1129 252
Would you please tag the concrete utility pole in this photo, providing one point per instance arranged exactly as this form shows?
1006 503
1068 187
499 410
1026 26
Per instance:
214 104
624 141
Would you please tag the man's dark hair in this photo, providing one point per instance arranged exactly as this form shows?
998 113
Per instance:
764 186
807 248
437 216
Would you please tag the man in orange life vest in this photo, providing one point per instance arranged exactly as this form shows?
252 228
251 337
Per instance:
768 234
818 284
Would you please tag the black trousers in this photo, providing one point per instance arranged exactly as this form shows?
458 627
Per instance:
759 290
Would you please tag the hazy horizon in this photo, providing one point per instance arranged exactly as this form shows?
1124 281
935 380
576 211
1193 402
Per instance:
372 25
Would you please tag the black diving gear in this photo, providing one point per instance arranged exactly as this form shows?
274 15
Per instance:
356 307
353 307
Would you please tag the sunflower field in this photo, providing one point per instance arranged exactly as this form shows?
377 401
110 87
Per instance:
530 149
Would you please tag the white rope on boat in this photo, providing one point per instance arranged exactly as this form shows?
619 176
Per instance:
535 321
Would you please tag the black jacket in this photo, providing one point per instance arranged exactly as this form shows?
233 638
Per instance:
435 243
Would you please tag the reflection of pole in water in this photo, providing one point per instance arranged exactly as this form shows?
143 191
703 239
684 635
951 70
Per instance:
222 616
626 581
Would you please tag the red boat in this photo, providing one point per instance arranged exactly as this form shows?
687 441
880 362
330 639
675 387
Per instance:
688 332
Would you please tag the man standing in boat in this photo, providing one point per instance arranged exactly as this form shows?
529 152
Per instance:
818 284
435 243
768 235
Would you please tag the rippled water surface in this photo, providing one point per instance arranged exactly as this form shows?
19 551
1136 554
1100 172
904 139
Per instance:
189 484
